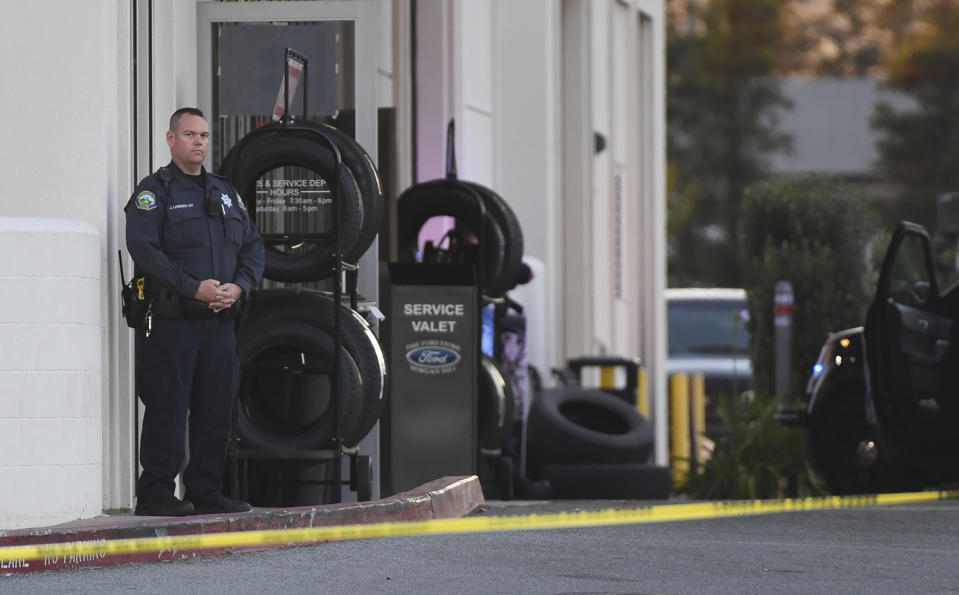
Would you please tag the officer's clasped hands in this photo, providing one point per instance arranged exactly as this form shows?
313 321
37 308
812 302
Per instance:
226 296
208 291
218 296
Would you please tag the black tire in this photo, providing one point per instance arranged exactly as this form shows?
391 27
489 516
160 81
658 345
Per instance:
578 425
279 307
626 481
284 396
363 478
367 180
495 406
466 204
277 145
316 308
497 477
836 438
505 218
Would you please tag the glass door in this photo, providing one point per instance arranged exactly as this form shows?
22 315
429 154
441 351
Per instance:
242 51
242 54
246 70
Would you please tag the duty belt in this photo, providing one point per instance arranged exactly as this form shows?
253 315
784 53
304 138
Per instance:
168 304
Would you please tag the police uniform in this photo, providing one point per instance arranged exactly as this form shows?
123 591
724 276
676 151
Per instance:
181 230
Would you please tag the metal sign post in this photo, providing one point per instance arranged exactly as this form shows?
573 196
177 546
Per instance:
294 64
783 314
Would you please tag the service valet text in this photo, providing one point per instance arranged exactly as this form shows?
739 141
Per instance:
434 326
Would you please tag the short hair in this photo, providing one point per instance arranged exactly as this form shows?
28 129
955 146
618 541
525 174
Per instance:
175 118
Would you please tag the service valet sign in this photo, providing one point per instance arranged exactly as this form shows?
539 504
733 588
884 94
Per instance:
431 333
433 354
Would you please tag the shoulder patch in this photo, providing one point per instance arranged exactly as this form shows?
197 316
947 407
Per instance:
239 201
146 201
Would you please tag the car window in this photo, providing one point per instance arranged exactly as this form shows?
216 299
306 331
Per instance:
708 327
909 279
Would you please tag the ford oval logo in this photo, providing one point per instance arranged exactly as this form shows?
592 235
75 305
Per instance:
433 357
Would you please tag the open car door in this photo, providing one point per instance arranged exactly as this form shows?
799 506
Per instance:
908 331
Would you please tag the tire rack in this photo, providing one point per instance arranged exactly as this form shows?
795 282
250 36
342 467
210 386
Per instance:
360 465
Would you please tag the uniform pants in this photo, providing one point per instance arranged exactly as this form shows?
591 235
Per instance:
185 366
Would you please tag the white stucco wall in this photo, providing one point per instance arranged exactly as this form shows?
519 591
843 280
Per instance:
596 220
528 83
50 372
58 60
527 131
55 95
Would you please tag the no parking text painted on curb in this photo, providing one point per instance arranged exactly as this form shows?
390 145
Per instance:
14 557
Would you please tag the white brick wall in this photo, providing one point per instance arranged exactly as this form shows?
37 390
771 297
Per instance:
50 372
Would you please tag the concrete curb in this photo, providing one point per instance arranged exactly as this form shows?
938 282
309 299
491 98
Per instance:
447 497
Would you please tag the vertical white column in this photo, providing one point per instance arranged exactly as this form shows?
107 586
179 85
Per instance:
527 159
50 373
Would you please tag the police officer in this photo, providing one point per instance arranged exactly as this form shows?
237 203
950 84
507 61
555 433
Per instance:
198 252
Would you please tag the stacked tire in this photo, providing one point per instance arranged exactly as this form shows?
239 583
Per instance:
493 238
486 234
495 407
590 444
336 158
288 363
286 353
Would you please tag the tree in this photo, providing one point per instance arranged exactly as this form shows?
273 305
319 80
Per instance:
723 112
814 232
919 148
841 41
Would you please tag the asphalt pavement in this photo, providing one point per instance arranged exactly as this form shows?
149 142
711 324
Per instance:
910 548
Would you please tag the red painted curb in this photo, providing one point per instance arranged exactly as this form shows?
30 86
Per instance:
447 497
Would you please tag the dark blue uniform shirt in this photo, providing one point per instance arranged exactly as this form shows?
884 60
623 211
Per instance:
180 233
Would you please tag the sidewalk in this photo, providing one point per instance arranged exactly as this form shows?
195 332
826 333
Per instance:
447 497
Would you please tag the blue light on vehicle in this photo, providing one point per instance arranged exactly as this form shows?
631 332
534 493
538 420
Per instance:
817 370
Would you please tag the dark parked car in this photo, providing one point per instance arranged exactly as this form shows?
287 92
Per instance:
882 408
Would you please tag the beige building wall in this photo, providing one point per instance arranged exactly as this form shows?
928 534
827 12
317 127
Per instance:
509 73
59 184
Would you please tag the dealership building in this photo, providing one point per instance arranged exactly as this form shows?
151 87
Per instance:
559 107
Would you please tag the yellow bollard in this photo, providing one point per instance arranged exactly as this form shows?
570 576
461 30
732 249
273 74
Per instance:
607 376
679 426
698 401
642 393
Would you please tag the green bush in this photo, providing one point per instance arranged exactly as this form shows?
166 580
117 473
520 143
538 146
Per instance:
758 459
815 233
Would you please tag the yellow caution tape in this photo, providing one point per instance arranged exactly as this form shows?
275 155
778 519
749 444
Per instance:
88 550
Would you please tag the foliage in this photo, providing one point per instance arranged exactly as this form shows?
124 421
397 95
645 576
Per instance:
814 232
723 112
847 31
758 459
919 148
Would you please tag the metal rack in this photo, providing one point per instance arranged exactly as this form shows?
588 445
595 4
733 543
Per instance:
345 284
